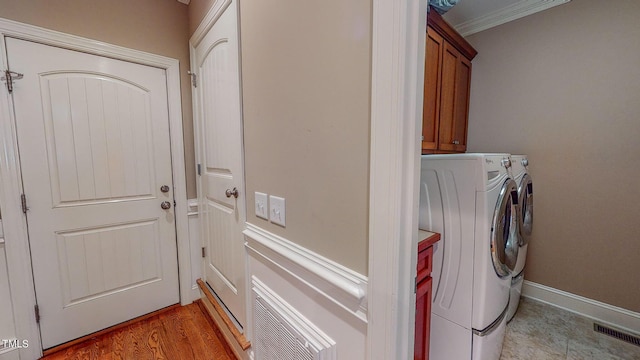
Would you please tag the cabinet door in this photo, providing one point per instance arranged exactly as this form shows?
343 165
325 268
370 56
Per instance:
454 100
430 113
423 320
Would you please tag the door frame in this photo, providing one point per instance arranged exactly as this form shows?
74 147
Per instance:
15 226
211 17
397 79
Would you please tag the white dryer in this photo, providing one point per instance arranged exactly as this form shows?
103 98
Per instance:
521 174
471 200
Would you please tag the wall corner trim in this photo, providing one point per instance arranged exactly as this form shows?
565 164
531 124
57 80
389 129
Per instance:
339 284
617 317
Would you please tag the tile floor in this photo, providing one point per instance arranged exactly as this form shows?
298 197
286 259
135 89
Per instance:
543 332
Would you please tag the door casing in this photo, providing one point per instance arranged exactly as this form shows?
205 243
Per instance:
15 227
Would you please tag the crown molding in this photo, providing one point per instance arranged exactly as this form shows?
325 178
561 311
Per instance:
509 13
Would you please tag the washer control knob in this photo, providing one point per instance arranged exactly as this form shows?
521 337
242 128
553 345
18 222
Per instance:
506 162
525 162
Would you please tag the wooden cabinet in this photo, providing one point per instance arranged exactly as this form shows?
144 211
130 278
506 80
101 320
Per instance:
423 295
446 88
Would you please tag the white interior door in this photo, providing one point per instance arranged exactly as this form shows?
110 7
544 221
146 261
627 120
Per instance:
93 137
218 113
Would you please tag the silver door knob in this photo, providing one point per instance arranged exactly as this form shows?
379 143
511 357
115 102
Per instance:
233 193
165 205
164 188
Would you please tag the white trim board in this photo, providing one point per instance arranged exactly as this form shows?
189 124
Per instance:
397 84
15 230
504 15
339 284
617 317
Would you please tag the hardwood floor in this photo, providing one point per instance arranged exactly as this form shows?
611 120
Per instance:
178 333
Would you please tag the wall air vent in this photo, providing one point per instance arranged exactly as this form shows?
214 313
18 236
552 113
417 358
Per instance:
631 339
281 333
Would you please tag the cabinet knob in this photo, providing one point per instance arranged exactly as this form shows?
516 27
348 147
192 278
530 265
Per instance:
456 142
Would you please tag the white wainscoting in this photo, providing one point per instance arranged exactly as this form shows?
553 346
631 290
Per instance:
614 316
195 246
332 297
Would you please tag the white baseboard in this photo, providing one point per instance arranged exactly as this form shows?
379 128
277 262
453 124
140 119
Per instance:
617 317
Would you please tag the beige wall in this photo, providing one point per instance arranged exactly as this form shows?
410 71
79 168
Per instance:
563 86
197 11
155 26
306 88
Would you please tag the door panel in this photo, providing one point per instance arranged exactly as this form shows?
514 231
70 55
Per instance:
103 172
93 137
432 81
220 152
115 257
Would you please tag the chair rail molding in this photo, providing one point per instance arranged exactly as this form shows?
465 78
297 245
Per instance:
339 284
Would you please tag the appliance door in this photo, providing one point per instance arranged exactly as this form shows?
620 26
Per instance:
525 216
504 234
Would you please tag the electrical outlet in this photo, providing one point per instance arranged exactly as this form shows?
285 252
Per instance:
277 213
262 207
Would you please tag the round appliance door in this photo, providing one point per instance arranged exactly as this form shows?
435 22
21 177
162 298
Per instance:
525 214
504 245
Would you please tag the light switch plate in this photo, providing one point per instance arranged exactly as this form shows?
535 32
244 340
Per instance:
277 213
262 207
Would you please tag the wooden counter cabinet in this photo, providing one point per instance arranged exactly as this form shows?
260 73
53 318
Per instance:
447 84
423 294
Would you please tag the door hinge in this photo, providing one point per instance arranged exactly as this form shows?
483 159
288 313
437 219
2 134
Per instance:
199 169
194 78
203 252
23 201
36 309
9 77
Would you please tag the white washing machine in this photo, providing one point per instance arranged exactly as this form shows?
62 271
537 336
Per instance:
470 199
521 174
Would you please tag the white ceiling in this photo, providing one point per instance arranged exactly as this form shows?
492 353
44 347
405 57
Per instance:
472 16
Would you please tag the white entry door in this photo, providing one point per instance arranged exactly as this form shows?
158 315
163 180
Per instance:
219 120
93 137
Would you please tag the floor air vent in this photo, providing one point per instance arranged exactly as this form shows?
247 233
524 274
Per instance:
280 333
616 334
